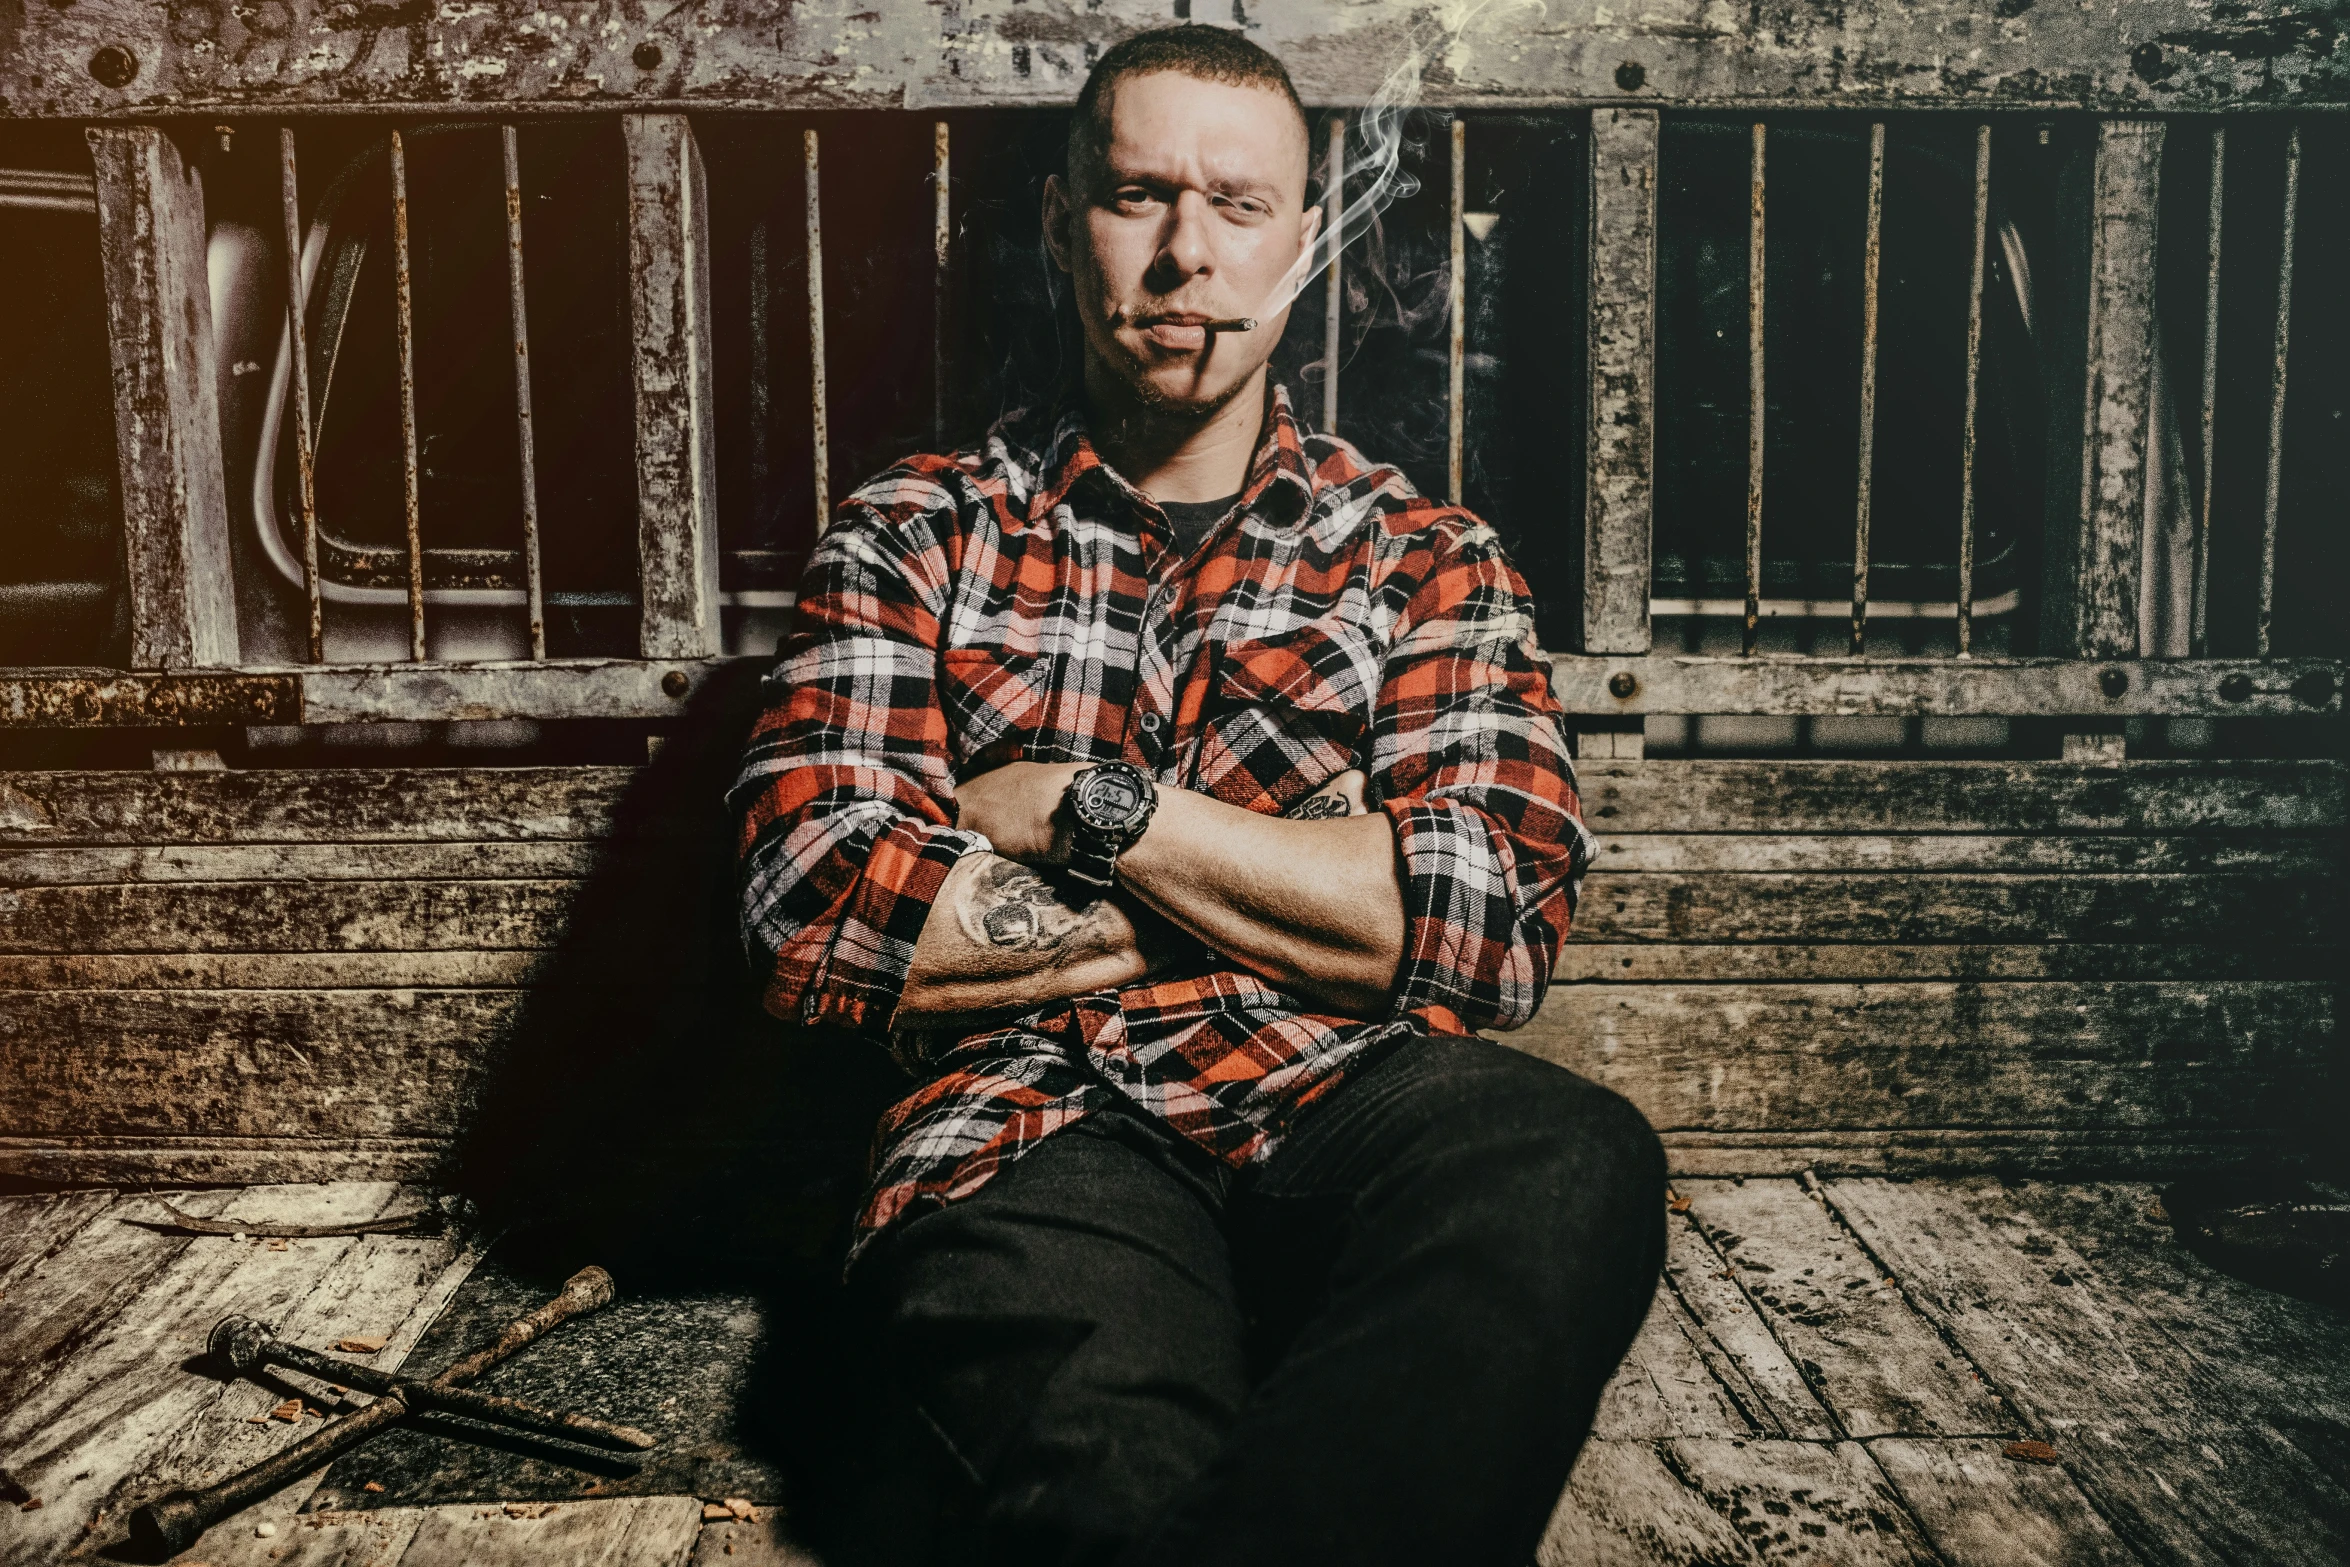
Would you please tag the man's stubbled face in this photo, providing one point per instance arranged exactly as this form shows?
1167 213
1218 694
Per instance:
1194 212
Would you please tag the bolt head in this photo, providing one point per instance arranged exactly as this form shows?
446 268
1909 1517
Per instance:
647 56
1622 684
674 684
2113 682
2314 689
114 66
1631 76
2236 687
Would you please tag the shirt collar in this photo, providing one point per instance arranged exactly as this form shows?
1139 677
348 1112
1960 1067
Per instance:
1281 481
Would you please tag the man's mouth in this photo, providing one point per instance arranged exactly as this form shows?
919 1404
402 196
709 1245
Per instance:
1187 330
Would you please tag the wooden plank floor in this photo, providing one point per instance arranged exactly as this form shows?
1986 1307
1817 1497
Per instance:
1833 1373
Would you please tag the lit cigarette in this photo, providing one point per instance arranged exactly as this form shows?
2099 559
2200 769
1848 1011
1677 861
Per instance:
1233 324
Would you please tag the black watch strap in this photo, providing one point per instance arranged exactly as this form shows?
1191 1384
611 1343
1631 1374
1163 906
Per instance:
1095 842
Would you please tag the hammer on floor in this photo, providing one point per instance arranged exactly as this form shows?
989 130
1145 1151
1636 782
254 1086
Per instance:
172 1523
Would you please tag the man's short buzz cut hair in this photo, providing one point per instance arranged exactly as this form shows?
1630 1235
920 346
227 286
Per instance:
1213 54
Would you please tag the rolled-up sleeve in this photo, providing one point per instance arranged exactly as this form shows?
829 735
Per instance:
844 802
1469 761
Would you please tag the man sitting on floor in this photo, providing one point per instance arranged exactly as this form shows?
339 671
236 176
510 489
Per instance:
1176 789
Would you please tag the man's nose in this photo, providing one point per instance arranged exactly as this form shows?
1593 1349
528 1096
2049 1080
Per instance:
1188 251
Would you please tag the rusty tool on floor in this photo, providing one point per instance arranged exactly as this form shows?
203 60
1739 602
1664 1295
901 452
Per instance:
172 1523
248 1346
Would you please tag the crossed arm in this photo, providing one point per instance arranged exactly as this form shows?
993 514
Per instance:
1310 901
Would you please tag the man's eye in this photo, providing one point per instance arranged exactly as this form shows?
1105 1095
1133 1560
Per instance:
1133 198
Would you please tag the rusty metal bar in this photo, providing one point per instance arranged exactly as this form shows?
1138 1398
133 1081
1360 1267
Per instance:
1456 401
2198 617
1974 369
1754 390
818 426
408 465
942 237
760 412
527 448
305 447
1333 322
2276 399
1872 252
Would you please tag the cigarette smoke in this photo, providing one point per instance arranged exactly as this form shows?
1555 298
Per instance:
1373 163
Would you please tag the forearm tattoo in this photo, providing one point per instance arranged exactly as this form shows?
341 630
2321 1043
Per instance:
1010 906
1319 807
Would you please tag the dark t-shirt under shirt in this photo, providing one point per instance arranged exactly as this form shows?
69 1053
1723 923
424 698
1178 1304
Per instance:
1191 520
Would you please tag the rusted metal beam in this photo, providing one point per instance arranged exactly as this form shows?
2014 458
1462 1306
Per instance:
1619 497
676 398
2274 494
411 469
1872 255
1457 292
526 447
942 241
1757 408
175 512
819 426
352 693
2116 416
2104 689
2199 611
101 57
1974 367
298 342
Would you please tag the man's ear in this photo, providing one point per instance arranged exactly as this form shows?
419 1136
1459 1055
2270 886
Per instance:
1309 230
1056 220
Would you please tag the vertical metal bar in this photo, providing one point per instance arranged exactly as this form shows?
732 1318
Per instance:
817 425
1333 203
942 236
1872 252
1456 402
1974 366
1754 392
305 448
408 468
525 447
2106 564
2198 617
761 415
2276 400
1620 392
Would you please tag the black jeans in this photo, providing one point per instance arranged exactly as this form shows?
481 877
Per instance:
1383 1345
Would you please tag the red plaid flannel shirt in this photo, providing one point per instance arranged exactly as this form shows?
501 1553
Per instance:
1021 601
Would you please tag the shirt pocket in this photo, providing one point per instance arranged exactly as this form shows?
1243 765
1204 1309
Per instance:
994 702
1288 713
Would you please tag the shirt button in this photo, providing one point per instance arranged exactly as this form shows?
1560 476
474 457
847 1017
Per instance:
1150 723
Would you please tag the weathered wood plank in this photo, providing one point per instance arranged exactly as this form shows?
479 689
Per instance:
631 1531
2226 909
72 1293
89 1419
269 971
2153 56
175 514
2272 1353
1736 1343
2160 1057
1665 1387
312 805
2265 854
232 1161
2116 416
339 1064
2183 1471
2071 1152
1876 1364
37 1225
1625 1508
367 1539
507 861
1620 478
765 1540
676 397
1803 1501
1624 686
360 805
1980 1508
1655 963
349 916
1962 797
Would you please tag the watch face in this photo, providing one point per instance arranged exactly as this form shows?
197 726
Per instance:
1111 799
